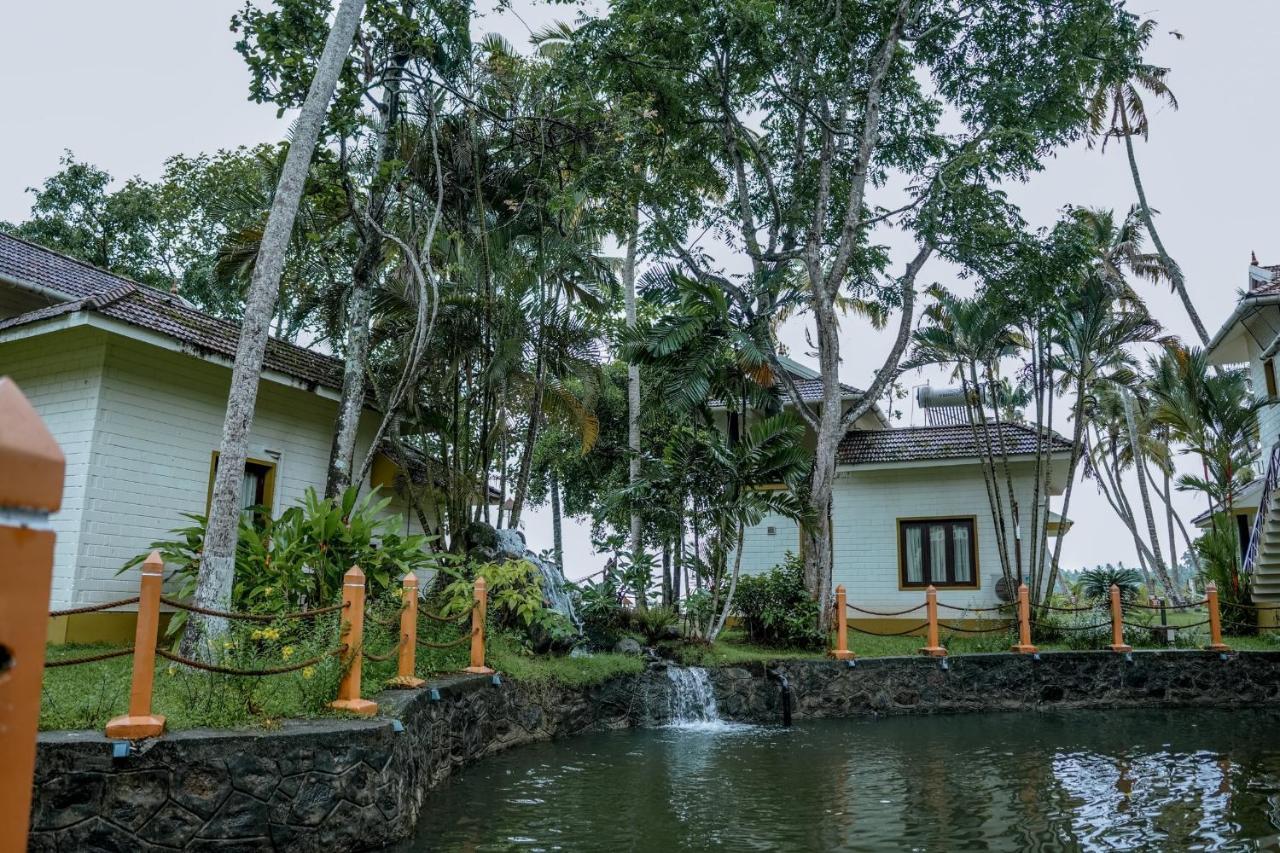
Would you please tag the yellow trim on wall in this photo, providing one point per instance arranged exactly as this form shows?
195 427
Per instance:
112 628
268 482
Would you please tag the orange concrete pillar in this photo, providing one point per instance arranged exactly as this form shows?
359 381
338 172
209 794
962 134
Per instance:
140 722
406 663
353 641
1117 622
1024 646
477 629
31 471
1215 620
933 648
841 651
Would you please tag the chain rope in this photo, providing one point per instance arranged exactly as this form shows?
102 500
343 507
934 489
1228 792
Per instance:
1007 626
881 613
464 638
919 627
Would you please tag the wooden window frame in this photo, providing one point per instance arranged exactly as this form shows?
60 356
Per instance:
923 523
1269 376
268 482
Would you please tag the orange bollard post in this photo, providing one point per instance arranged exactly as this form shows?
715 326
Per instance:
353 640
1024 646
140 722
841 651
1117 623
934 648
1215 620
31 472
477 629
406 663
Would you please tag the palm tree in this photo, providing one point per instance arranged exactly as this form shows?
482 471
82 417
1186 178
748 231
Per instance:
217 568
1095 334
972 335
1116 109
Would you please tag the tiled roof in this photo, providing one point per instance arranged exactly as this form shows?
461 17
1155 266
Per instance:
811 390
147 308
1258 285
31 264
911 444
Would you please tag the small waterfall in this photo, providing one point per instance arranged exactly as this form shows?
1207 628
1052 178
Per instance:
692 702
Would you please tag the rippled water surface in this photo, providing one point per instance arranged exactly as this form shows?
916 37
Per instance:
1095 780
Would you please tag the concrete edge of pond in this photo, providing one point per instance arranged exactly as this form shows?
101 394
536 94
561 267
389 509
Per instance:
315 785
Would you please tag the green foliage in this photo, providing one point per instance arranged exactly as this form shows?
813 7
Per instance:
654 622
298 559
1096 583
776 608
514 593
599 606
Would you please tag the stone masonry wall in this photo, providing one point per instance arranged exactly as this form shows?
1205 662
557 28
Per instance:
336 785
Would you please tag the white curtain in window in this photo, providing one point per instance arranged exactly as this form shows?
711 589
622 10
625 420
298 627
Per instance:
249 488
937 553
915 555
964 571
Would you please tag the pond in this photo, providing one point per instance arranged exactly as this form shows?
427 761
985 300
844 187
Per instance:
1086 780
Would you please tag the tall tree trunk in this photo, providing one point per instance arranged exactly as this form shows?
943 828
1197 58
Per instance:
1159 566
526 453
1077 437
217 567
359 302
633 376
1175 271
557 522
733 587
818 565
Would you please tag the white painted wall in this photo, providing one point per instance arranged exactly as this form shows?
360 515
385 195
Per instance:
1268 416
866 506
139 425
62 382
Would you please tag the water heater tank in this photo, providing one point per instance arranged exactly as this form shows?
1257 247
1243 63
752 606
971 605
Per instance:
928 397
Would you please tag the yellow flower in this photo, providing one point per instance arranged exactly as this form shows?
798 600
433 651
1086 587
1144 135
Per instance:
228 645
172 670
268 590
286 652
308 672
256 635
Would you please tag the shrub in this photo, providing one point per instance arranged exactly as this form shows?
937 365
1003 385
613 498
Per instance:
776 608
599 606
654 622
1096 583
298 559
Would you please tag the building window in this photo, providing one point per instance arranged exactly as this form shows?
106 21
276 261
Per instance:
1269 372
938 551
256 489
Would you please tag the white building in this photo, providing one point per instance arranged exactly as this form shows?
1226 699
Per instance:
1251 336
133 384
910 510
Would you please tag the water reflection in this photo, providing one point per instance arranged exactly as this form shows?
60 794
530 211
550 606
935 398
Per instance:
1168 781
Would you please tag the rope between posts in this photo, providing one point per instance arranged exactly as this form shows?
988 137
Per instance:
449 620
93 608
1183 627
1106 624
1065 609
464 638
1007 626
380 658
227 670
975 609
114 653
249 617
1186 606
881 613
919 627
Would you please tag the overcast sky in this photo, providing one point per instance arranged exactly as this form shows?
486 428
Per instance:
134 81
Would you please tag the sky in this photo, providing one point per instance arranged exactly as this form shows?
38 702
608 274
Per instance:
135 81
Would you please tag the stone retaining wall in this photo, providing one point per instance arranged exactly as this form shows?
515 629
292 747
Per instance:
336 785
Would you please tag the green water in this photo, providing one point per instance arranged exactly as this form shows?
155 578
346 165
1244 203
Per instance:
1095 780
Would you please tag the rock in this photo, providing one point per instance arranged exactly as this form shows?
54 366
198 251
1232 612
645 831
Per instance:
628 646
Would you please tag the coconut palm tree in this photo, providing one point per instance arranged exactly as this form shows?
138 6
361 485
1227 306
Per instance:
1117 110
